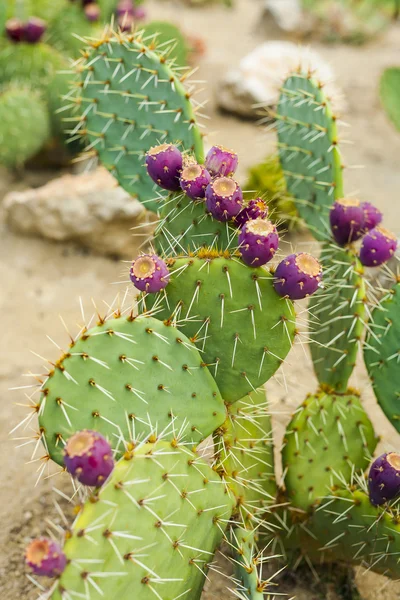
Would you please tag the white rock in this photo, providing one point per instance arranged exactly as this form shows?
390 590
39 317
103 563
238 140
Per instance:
260 74
287 14
89 208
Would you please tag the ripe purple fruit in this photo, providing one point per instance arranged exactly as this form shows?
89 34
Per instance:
125 7
221 162
377 247
34 29
347 220
15 30
88 457
372 215
224 198
194 180
255 209
164 165
297 276
384 478
45 557
149 273
92 12
258 242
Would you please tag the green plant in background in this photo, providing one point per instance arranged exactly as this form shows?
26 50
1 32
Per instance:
188 359
390 94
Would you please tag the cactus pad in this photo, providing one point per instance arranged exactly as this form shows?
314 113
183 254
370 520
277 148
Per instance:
184 226
233 314
130 99
129 378
382 355
328 437
151 530
337 314
308 150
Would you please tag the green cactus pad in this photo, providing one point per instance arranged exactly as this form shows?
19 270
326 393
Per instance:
328 437
308 150
244 550
24 125
130 99
245 455
150 532
168 34
70 25
129 378
382 355
390 94
243 329
185 227
337 317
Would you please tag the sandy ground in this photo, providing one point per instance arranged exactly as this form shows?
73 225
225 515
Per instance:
40 280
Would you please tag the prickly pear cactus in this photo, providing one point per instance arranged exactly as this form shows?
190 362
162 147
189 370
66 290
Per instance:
337 317
130 98
151 530
126 377
308 149
328 436
221 305
382 355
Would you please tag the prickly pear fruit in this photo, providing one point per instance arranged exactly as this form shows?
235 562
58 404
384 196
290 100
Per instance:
88 457
298 276
45 557
224 198
378 246
255 209
34 29
164 165
194 180
373 216
221 162
15 30
384 478
347 220
258 242
149 273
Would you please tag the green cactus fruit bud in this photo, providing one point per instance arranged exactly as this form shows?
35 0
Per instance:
150 532
129 378
381 355
337 317
129 99
244 455
309 155
328 437
233 315
185 227
168 35
24 125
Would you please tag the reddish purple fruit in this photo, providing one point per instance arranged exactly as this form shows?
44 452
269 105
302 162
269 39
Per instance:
384 478
125 7
194 180
258 242
164 165
149 273
255 209
45 557
347 220
139 13
377 247
372 215
88 457
221 162
92 12
34 29
224 198
15 30
297 276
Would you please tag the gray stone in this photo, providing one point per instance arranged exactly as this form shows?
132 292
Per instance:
90 209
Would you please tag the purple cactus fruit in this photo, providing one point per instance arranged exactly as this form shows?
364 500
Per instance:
92 12
377 247
224 198
255 209
372 215
164 165
347 220
34 29
139 13
258 242
15 30
297 276
125 7
45 557
221 162
126 22
384 478
194 180
149 273
88 457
